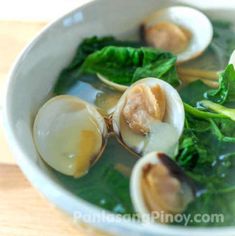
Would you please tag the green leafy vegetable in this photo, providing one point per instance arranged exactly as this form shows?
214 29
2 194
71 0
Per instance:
111 193
125 65
217 198
105 187
224 111
69 75
213 204
206 149
119 61
190 150
205 153
226 91
219 129
93 44
199 125
201 114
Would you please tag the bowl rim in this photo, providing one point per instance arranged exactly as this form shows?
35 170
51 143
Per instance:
55 193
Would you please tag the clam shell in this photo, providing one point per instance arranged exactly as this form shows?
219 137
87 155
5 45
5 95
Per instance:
174 113
191 19
135 185
66 131
111 84
136 189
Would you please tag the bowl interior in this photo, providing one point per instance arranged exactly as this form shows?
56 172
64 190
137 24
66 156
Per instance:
38 67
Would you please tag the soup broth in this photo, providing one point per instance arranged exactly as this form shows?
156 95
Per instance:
107 183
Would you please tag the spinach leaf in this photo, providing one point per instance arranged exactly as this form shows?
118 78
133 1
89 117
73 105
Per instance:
206 151
208 161
125 65
219 124
219 190
220 129
196 112
70 74
93 44
226 91
206 154
111 193
211 203
219 109
190 150
105 187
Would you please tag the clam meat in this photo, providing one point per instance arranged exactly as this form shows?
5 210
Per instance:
149 113
159 185
184 31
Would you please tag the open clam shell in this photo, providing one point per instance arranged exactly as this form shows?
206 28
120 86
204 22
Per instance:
164 134
179 25
159 186
111 84
69 134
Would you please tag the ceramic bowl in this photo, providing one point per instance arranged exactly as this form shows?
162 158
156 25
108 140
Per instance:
31 81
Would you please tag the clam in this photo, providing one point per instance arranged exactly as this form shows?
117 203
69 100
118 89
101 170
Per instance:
158 185
149 116
183 31
70 134
116 86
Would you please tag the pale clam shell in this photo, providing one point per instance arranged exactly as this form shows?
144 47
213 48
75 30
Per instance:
57 129
191 19
111 84
135 186
174 116
137 197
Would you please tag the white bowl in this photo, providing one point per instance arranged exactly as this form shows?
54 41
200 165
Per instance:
31 81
